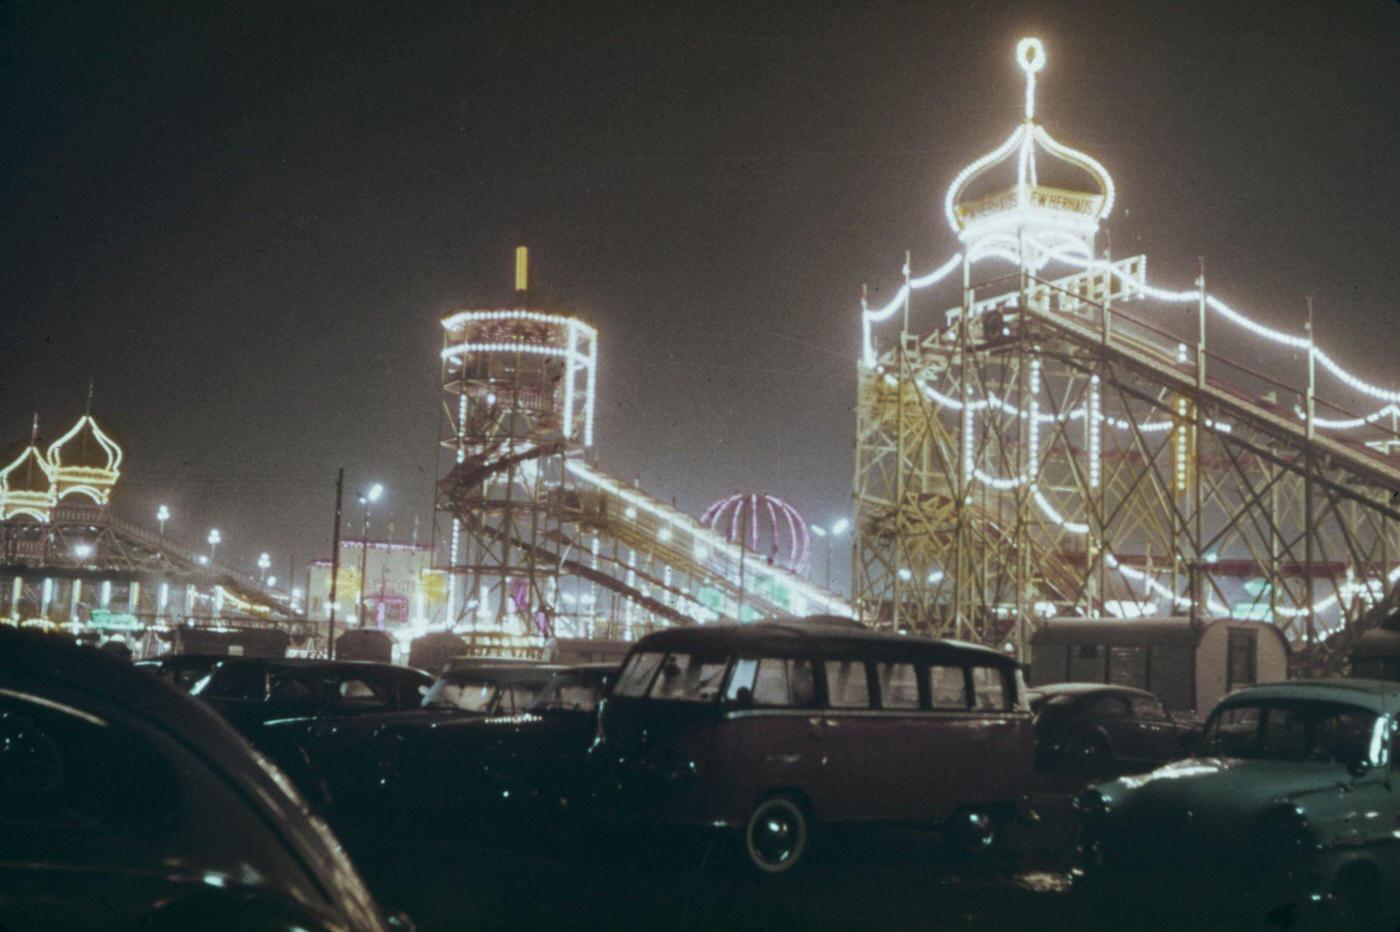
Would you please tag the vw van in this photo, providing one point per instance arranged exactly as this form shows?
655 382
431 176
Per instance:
772 729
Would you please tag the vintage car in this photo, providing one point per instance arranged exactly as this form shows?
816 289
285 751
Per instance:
125 804
773 728
355 758
471 767
1288 809
286 708
1097 731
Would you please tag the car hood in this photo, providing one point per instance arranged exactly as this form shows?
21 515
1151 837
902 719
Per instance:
1226 794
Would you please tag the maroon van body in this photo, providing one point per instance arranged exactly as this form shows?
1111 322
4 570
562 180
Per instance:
773 727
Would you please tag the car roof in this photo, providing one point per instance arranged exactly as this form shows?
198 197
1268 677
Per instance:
601 669
507 673
1377 695
316 663
1085 689
804 634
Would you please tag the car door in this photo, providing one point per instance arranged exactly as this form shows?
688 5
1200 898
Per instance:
1161 741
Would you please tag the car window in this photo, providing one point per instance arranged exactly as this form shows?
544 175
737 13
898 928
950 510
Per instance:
361 693
847 685
1148 709
468 693
235 680
989 692
774 682
570 693
515 697
948 686
899 685
294 685
689 677
636 676
63 768
1108 707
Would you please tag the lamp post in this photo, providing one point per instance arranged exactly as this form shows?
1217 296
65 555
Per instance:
838 528
162 516
366 499
215 538
264 561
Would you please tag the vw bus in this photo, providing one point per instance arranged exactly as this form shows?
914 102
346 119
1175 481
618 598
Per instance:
773 728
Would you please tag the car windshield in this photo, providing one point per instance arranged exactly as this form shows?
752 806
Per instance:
570 693
1325 732
465 693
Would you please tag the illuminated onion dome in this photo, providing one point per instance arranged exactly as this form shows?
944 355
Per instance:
1060 215
766 524
26 483
85 461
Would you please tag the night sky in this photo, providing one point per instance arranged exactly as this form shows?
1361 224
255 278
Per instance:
245 221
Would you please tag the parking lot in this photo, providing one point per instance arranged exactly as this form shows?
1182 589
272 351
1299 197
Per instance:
544 874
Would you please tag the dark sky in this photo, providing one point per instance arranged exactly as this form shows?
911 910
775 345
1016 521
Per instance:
247 219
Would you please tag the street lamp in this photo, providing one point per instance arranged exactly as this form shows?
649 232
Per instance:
264 561
214 540
162 516
366 499
838 528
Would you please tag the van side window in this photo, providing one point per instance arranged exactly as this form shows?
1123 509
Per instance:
774 682
948 686
989 691
847 686
637 676
899 685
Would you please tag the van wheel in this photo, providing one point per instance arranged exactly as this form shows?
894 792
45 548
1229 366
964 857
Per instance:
975 832
777 835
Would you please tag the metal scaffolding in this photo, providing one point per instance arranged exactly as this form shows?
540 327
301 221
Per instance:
1061 446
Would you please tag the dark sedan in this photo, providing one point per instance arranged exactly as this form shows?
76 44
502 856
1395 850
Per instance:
350 755
1096 730
287 708
126 804
469 766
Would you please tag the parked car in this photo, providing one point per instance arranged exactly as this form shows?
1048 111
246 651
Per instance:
125 804
355 757
286 708
1288 808
772 729
181 670
1100 731
474 766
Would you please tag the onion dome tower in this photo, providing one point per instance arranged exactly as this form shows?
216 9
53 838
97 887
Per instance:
763 524
26 481
85 461
1031 196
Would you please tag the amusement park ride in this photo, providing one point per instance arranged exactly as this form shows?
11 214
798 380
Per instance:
539 537
66 559
1063 441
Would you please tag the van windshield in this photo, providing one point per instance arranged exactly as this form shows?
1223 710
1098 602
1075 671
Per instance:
689 678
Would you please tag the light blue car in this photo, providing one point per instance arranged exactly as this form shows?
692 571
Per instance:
1287 815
